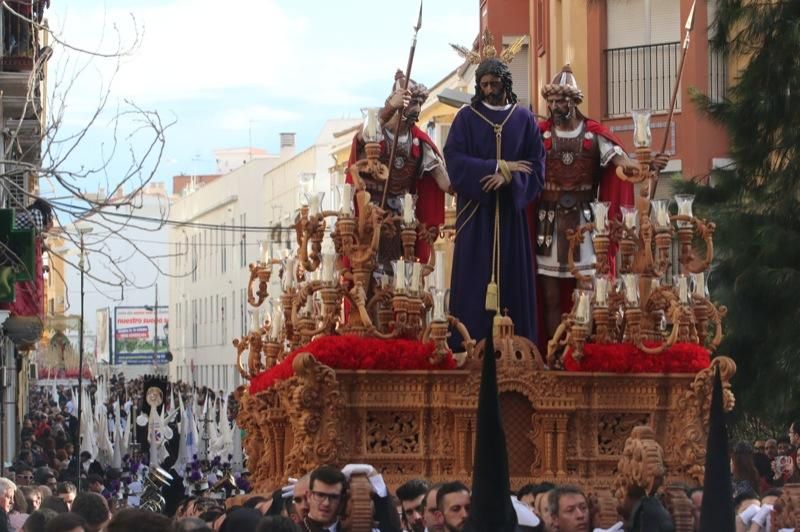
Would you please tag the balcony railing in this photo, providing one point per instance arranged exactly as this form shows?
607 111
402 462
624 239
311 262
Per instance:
19 39
641 77
717 75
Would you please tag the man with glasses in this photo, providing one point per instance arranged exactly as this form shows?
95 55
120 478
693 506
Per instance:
23 475
326 490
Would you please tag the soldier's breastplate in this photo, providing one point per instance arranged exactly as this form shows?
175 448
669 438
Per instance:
402 176
573 163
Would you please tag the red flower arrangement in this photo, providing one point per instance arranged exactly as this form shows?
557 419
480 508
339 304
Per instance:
354 352
626 358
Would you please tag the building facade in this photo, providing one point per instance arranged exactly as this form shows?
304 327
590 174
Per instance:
625 55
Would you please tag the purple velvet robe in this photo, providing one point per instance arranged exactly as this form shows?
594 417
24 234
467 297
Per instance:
471 154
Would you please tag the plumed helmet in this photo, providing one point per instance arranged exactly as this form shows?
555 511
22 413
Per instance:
564 84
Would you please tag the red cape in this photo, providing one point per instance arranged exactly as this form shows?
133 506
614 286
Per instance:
430 198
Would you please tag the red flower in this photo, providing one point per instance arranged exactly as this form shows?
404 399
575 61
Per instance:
626 358
353 352
587 144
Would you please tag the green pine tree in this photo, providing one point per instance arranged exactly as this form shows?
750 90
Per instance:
756 205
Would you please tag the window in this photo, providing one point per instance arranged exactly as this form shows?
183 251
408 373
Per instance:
224 250
223 329
194 323
520 73
642 56
243 240
194 258
243 311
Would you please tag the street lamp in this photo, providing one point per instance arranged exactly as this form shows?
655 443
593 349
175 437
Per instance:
83 229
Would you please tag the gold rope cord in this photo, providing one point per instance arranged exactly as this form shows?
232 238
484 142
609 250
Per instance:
493 289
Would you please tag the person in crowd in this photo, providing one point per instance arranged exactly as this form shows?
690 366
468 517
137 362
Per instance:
412 502
453 504
66 522
326 491
297 506
191 524
277 523
67 491
771 448
743 471
38 520
19 512
23 475
33 498
569 509
55 503
7 489
696 496
431 516
94 509
138 520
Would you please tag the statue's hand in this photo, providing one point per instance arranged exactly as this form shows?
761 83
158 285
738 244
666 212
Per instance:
659 162
400 98
520 166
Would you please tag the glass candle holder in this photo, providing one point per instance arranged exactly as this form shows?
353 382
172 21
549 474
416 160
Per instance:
642 138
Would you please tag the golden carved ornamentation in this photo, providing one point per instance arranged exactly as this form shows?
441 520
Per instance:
641 465
786 512
613 429
689 423
393 433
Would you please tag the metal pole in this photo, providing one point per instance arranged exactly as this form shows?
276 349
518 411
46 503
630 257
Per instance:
81 265
155 340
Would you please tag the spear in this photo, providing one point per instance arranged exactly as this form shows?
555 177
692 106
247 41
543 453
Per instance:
688 27
393 151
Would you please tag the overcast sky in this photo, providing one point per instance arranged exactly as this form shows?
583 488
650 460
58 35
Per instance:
229 72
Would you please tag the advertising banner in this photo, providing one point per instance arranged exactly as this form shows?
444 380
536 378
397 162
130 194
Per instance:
135 335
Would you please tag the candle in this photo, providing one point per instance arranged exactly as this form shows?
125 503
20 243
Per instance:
583 309
601 291
327 267
408 209
684 202
660 208
600 209
399 275
438 305
642 137
276 324
384 281
255 324
629 217
631 283
288 274
416 274
438 270
267 253
347 199
683 289
699 284
370 132
313 204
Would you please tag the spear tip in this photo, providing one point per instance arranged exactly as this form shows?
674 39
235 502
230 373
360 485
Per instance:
419 19
690 19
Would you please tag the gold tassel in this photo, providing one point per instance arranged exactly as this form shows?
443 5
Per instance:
492 301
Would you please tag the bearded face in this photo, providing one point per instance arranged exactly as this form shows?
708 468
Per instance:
561 108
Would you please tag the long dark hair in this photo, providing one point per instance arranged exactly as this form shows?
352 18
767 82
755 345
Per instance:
493 67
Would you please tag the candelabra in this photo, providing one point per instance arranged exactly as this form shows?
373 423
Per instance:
639 306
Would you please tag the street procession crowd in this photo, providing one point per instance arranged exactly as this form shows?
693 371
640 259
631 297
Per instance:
41 491
146 454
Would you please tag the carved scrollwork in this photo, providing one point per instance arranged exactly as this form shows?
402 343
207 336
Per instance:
689 426
393 433
641 464
613 429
